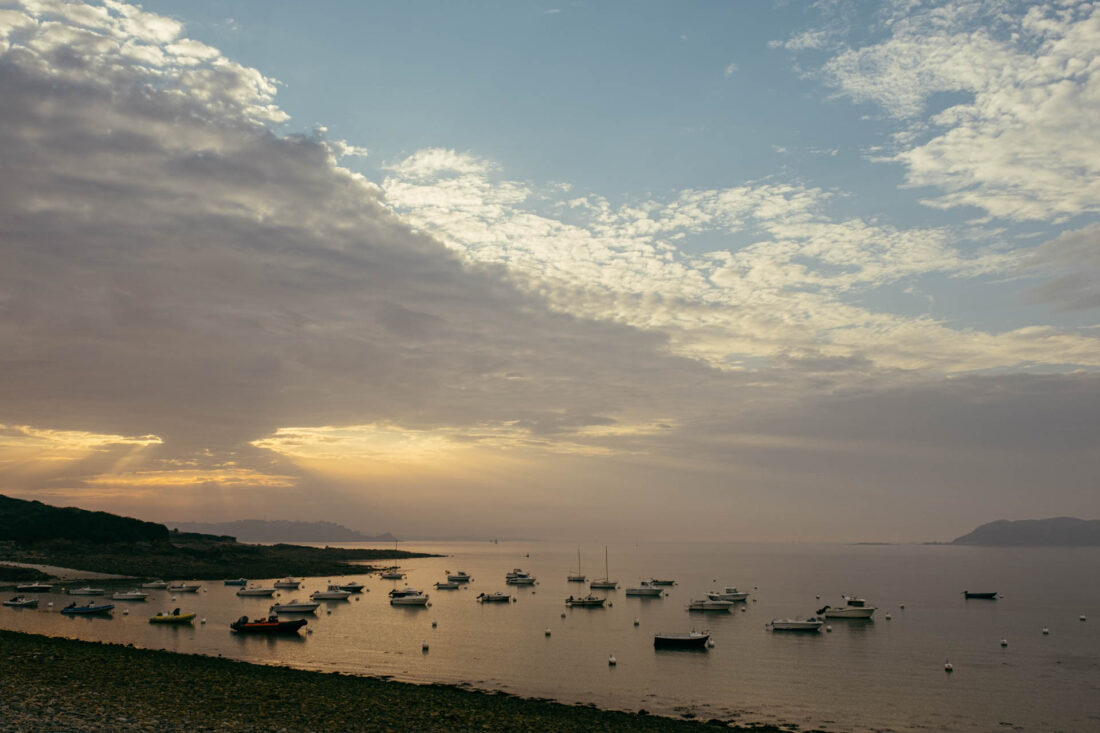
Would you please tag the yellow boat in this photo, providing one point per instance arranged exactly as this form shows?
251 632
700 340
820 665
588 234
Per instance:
172 618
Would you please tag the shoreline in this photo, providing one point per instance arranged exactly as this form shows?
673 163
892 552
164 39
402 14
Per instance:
54 683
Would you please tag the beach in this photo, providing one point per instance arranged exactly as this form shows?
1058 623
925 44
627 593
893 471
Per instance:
54 684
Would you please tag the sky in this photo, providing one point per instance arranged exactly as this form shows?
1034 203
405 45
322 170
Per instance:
783 271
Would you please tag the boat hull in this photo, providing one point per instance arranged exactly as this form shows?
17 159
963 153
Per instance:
34 588
22 603
856 613
88 610
644 592
294 607
983 596
256 592
268 627
603 585
681 641
181 618
494 598
409 601
795 625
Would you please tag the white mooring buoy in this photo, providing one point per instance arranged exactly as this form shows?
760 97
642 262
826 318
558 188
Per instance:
1045 631
710 644
947 667
434 623
563 614
125 612
1082 617
1004 643
612 661
888 617
202 621
828 628
424 647
636 621
548 631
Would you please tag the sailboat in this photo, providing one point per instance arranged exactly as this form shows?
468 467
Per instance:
579 577
604 584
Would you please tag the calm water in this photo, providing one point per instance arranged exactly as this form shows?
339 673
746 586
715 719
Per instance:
880 675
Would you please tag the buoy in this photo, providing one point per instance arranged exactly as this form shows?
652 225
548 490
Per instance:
743 609
356 599
828 628
563 614
1045 631
173 598
888 617
609 605
328 612
612 661
818 597
901 606
636 622
434 623
548 631
202 621
947 667
50 603
1004 643
424 646
125 612
754 600
710 644
1082 617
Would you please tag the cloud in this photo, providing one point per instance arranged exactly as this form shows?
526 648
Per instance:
730 70
1017 137
1071 261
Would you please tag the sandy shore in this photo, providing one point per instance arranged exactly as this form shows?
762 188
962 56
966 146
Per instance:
52 684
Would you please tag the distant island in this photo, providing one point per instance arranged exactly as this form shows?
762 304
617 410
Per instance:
262 530
1056 532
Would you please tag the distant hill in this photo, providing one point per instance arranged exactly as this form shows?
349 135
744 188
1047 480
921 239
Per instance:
262 530
33 521
1059 531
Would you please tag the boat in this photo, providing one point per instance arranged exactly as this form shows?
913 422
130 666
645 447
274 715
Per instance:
496 597
983 595
588 601
34 587
333 593
392 574
256 591
579 577
162 584
856 608
238 581
130 595
459 577
289 583
270 625
85 591
22 602
449 585
658 581
184 588
710 603
408 597
604 583
795 624
294 606
731 594
86 610
519 577
172 618
645 589
351 587
690 640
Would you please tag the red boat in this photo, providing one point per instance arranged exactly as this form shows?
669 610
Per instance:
270 625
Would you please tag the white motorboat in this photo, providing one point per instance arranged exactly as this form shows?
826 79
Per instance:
519 577
588 601
130 595
22 602
34 587
731 594
351 587
604 583
710 603
408 597
577 577
184 588
256 591
459 577
294 606
155 585
392 574
857 608
496 597
333 593
448 585
795 624
658 581
86 591
289 583
645 589
691 640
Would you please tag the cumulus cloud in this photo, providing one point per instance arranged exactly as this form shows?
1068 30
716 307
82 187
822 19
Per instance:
1071 261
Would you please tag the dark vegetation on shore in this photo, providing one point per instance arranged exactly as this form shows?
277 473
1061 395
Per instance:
12 574
49 684
33 532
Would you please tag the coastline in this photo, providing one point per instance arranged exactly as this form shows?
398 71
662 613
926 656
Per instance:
51 683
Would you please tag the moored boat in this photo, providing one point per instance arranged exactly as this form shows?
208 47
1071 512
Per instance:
519 577
658 581
645 589
332 593
795 624
294 606
577 577
289 583
351 587
392 574
982 595
270 625
172 618
710 603
496 597
690 640
184 588
256 591
160 584
22 602
87 610
85 591
459 577
447 585
604 583
408 597
731 594
856 608
130 595
588 601
34 587
236 581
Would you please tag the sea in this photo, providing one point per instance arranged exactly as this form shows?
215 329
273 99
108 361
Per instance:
887 674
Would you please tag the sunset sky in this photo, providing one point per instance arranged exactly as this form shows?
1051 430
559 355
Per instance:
663 270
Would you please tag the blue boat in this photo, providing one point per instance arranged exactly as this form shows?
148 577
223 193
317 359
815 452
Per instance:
238 581
74 610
